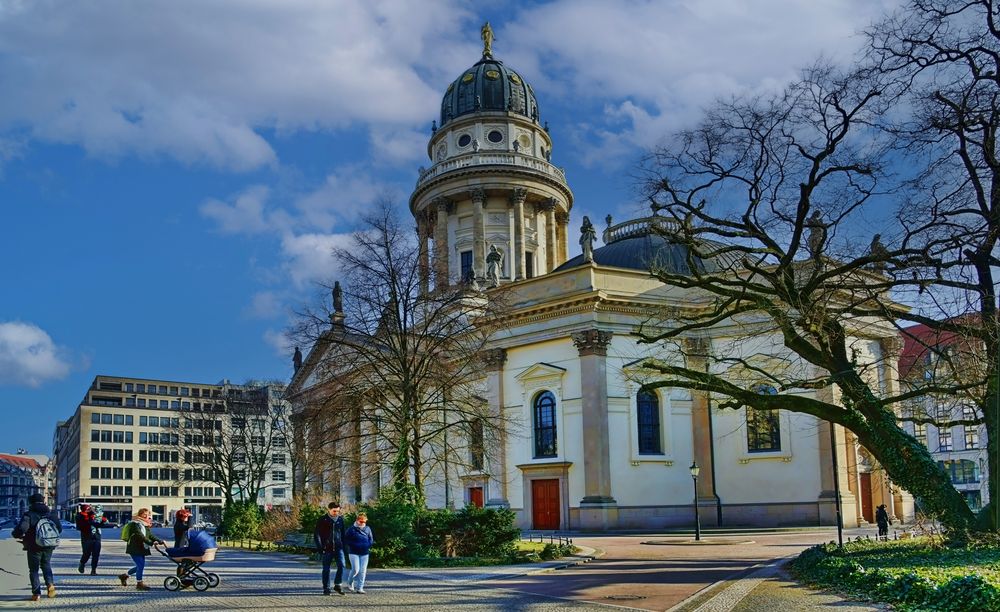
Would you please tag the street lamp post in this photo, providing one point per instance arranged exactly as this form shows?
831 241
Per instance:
695 470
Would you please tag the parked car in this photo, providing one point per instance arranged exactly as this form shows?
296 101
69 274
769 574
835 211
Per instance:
67 524
156 524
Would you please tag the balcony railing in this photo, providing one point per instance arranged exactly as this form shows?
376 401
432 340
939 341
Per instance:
492 158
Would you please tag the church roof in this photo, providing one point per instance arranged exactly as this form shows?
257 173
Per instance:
488 86
644 244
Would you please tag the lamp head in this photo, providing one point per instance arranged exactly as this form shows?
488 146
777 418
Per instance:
695 470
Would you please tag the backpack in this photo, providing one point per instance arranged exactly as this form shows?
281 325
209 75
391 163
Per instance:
126 531
46 533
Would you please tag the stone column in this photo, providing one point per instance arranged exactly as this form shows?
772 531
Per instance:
478 232
598 509
548 208
443 206
493 361
696 352
562 225
425 269
517 257
892 350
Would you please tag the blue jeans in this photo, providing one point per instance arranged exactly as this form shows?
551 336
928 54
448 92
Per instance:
359 569
40 559
328 558
140 564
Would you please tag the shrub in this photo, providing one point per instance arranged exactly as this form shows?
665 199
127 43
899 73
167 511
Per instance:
241 519
486 532
308 515
393 521
278 523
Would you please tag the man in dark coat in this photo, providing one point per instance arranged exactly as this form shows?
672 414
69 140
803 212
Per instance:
38 556
883 521
89 527
329 538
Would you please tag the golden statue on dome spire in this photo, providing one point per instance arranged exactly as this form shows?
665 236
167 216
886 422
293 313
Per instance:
487 35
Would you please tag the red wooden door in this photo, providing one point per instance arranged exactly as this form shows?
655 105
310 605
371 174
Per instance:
545 504
866 497
476 496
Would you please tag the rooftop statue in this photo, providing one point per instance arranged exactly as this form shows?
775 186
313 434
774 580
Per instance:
588 235
494 264
487 35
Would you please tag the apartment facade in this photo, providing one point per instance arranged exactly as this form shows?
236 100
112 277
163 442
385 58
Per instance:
21 475
127 446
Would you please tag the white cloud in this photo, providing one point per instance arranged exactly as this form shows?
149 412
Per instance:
28 356
244 216
264 305
309 257
280 343
198 82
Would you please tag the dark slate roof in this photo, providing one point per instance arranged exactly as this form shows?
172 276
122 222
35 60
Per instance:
644 243
488 86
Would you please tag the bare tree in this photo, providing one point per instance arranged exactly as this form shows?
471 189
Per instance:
231 442
946 55
771 196
402 384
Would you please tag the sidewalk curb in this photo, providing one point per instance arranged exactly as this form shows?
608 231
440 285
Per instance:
585 555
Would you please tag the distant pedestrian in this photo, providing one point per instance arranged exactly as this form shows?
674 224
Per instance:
883 521
139 536
38 532
182 523
89 525
359 541
329 538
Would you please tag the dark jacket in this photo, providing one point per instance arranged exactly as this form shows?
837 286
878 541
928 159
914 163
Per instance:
881 516
89 526
329 534
359 540
25 530
181 528
140 538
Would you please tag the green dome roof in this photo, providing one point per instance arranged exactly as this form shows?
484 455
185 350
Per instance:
488 86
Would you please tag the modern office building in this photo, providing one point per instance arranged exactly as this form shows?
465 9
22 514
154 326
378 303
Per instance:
128 446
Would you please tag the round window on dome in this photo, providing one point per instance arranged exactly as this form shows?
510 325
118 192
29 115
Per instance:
495 136
514 78
468 77
492 75
464 140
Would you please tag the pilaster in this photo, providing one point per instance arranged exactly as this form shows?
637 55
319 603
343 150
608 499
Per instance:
442 206
696 352
423 231
493 362
562 228
548 208
598 509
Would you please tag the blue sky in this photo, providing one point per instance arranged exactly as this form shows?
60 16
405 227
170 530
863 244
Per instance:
173 175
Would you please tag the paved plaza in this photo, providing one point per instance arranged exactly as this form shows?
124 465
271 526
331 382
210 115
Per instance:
727 571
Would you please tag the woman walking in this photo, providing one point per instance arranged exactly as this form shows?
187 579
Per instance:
182 523
359 540
139 537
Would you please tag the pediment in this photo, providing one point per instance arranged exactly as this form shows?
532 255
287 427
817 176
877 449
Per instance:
539 371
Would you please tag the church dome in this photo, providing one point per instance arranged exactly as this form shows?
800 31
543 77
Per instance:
643 244
488 86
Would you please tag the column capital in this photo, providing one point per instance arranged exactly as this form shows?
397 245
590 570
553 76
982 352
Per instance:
592 342
443 204
478 195
493 359
546 205
562 217
518 195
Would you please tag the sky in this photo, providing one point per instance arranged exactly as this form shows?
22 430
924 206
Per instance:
175 173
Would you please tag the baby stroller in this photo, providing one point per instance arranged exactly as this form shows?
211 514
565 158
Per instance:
189 559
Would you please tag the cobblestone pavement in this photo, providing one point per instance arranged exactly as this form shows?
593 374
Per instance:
253 581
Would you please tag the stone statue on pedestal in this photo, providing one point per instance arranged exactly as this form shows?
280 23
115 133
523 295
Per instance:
588 235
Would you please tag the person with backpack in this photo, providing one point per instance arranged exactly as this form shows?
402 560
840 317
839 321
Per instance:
89 526
38 532
139 536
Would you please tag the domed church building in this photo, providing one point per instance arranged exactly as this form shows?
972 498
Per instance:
594 449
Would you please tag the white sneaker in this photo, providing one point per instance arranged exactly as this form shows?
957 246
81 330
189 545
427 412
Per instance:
360 591
350 589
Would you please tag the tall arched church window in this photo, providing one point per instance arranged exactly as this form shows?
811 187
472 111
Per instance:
544 409
763 426
648 418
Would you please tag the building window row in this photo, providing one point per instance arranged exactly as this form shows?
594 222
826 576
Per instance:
158 473
153 388
962 471
111 473
153 437
110 454
110 418
202 492
155 421
107 491
158 491
156 456
112 436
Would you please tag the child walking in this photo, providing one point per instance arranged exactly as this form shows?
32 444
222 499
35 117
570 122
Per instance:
359 541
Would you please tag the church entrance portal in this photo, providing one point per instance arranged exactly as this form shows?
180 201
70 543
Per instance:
545 504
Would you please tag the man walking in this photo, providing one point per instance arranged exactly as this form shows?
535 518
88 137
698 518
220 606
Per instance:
329 537
39 533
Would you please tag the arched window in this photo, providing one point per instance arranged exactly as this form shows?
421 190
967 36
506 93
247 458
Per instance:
545 424
763 426
648 417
